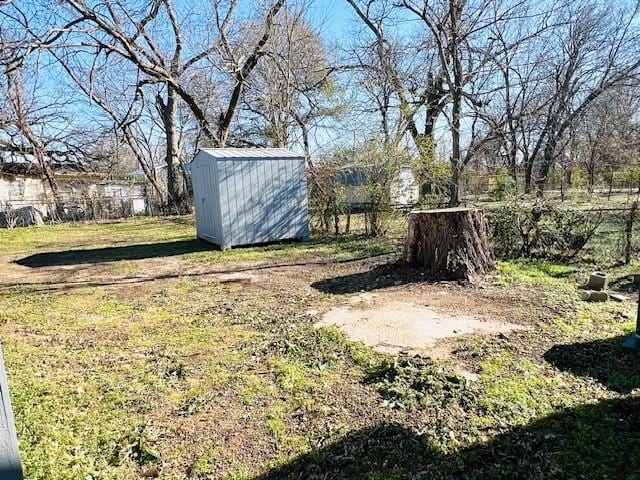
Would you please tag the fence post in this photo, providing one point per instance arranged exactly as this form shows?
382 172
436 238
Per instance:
629 232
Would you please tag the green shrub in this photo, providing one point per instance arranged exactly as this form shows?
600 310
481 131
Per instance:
540 231
503 185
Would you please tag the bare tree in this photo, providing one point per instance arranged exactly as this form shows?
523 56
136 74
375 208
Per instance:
20 111
165 45
461 35
607 136
402 78
292 90
126 107
593 49
36 125
516 99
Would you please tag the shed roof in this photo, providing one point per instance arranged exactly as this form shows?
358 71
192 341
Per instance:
252 153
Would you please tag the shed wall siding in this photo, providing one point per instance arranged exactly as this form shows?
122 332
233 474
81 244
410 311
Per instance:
258 200
216 208
202 188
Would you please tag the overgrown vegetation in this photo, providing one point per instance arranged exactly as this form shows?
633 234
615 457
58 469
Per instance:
541 230
415 382
366 181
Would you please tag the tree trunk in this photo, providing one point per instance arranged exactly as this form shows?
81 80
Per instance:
426 146
548 160
610 185
456 84
47 170
513 163
528 174
454 186
16 100
58 206
175 184
449 243
592 175
456 160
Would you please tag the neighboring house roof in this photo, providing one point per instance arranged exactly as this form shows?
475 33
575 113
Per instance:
353 175
34 170
20 168
139 173
252 153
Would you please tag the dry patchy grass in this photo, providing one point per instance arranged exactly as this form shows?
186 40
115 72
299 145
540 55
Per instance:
177 361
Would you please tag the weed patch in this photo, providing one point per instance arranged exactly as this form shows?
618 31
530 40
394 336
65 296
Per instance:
413 382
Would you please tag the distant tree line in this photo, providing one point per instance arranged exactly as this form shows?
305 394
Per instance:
459 86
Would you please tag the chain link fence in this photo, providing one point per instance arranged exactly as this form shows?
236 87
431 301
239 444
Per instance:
27 212
549 230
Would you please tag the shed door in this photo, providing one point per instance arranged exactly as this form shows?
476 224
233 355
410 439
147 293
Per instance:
204 197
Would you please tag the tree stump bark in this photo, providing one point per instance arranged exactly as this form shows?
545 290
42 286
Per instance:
449 243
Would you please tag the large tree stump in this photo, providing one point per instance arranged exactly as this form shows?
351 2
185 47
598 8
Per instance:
449 243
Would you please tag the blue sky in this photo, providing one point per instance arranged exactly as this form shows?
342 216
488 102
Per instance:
335 20
334 15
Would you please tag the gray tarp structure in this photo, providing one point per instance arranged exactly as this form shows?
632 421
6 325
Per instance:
10 466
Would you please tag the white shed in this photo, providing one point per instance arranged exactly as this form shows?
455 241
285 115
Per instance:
354 179
245 196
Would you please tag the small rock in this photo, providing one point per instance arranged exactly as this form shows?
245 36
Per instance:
594 296
599 297
152 472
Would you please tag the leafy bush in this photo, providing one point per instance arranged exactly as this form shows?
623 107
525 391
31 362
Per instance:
503 185
540 230
434 178
364 180
579 179
326 197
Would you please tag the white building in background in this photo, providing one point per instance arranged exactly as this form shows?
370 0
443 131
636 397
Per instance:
25 197
405 190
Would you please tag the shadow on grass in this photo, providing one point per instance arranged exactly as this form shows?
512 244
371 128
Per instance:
588 442
624 285
603 360
112 254
381 276
182 247
89 257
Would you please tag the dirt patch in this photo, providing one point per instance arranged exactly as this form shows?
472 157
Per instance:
390 325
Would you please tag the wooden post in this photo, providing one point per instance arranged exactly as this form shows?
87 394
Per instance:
449 243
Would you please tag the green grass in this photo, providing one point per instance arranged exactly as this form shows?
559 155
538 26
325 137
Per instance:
191 378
